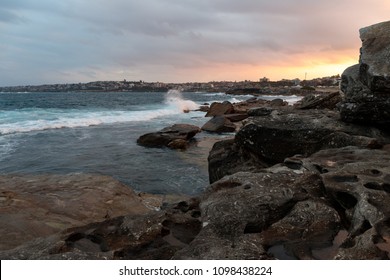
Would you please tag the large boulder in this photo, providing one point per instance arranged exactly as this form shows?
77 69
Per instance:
218 109
219 124
227 158
175 136
366 86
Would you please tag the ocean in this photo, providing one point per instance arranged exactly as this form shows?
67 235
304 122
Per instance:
96 132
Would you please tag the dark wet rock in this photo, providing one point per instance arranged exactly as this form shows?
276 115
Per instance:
236 117
362 248
260 111
34 206
357 183
366 86
285 133
226 158
310 225
237 208
218 109
178 144
270 139
219 124
204 108
173 136
209 246
320 101
277 102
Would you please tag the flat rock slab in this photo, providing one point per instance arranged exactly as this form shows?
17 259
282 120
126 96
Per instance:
41 205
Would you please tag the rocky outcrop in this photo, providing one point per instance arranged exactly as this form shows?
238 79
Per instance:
227 158
279 134
285 133
366 86
333 204
154 235
38 206
176 136
320 101
245 106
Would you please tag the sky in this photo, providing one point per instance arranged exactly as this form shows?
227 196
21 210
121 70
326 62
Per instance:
72 41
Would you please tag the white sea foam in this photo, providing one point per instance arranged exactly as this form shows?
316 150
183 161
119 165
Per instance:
174 99
291 99
44 119
214 94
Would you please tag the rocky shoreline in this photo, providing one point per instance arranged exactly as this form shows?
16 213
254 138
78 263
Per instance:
310 181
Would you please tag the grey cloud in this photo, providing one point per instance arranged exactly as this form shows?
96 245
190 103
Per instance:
72 35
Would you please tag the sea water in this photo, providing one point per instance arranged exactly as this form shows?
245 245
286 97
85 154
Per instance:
96 132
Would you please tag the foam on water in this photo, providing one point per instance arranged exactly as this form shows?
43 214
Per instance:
175 99
37 119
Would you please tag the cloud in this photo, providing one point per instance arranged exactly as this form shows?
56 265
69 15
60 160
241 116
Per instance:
46 41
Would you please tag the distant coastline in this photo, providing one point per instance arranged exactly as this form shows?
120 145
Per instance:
252 87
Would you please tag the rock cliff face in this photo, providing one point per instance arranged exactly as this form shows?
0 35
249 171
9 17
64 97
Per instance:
366 86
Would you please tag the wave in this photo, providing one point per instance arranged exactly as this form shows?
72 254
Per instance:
174 98
214 94
38 119
19 122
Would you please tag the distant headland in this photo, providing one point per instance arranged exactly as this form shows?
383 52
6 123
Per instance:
236 87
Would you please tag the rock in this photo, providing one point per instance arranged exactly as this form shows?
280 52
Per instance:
219 124
178 144
41 205
155 235
204 108
236 117
375 56
260 111
277 102
310 225
244 106
179 133
209 246
366 86
362 248
218 109
226 158
237 208
357 182
285 133
322 101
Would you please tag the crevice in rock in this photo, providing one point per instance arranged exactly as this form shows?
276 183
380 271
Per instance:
346 200
345 178
363 228
373 186
386 187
